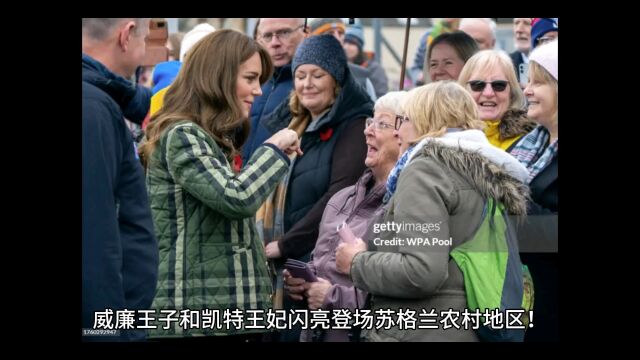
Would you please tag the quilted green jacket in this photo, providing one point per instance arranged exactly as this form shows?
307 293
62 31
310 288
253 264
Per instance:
210 254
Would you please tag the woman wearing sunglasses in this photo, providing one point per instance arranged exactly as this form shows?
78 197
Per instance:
490 78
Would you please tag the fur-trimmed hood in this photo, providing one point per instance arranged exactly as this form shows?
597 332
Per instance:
515 122
493 172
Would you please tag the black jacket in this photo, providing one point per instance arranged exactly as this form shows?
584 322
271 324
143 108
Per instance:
326 167
517 60
541 229
119 249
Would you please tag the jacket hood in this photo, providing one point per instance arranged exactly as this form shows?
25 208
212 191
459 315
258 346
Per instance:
134 100
352 102
493 172
515 122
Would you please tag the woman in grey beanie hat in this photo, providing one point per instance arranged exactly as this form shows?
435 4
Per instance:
327 109
324 51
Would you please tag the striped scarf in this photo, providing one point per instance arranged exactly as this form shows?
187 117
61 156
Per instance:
270 216
270 226
535 152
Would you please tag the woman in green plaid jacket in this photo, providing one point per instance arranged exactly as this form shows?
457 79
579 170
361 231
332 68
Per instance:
211 258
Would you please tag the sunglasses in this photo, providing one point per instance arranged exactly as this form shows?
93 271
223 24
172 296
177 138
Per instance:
479 85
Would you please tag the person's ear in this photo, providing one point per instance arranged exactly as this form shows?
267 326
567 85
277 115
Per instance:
125 35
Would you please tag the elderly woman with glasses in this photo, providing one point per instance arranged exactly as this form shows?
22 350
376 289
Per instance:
355 205
491 80
445 179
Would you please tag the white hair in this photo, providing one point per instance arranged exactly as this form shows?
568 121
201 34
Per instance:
393 100
193 37
488 21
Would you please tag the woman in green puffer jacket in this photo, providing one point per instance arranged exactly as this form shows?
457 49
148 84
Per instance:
211 258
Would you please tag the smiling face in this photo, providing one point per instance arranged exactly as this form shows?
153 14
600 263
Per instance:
542 97
315 88
248 83
491 104
540 101
444 64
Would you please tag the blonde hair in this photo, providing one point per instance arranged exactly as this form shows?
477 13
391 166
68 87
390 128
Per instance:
300 115
440 105
485 61
537 73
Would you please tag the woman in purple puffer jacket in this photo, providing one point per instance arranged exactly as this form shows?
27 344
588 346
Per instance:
356 205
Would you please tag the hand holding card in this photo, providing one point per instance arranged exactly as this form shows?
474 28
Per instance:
299 269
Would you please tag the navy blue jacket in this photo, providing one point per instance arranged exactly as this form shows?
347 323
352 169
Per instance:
134 100
119 249
274 92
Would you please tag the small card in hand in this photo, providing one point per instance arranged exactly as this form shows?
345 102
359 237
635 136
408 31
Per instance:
299 269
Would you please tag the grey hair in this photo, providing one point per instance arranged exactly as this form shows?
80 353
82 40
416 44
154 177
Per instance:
299 21
99 28
488 21
393 100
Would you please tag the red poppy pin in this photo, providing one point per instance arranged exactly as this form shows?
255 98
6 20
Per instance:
237 163
326 134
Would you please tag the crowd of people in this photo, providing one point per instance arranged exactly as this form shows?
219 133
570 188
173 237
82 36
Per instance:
255 149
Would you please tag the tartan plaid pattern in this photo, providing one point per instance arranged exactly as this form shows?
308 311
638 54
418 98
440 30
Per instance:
534 151
211 256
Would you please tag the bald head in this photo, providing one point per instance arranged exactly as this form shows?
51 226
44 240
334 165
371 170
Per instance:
482 30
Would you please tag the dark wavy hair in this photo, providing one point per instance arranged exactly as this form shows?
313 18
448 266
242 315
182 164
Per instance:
205 91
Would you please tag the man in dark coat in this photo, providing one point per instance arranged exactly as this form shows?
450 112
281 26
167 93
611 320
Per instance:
119 249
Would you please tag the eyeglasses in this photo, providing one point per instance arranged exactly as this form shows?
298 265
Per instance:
378 124
545 39
400 119
479 85
283 34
